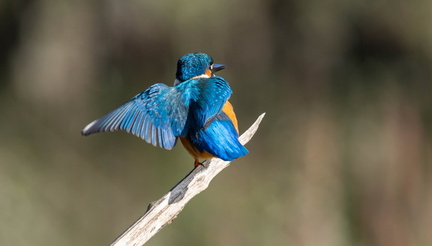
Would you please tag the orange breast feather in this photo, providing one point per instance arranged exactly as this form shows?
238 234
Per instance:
229 111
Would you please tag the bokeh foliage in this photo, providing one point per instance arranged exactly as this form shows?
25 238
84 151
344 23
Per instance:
342 158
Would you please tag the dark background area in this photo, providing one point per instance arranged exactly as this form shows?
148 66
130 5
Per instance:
342 157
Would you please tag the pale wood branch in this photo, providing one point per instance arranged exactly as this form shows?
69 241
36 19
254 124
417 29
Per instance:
163 211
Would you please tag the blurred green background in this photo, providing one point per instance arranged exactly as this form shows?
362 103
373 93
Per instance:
343 156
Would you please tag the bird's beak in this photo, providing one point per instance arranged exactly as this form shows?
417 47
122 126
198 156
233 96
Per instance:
218 67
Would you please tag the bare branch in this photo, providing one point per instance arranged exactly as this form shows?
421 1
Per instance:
163 211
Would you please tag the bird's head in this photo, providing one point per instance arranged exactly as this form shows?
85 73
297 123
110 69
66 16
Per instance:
196 65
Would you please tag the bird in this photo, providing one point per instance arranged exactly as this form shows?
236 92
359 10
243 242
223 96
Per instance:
195 110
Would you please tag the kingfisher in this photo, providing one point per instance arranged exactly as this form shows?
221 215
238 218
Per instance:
195 110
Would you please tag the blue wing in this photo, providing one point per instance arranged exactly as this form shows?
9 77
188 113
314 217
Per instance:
155 115
208 128
220 139
205 98
161 113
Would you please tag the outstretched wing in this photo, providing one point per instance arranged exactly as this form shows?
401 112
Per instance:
157 115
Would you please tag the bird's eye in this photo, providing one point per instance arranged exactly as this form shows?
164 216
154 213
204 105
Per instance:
211 67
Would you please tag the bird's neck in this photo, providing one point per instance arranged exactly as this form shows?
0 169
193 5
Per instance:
202 76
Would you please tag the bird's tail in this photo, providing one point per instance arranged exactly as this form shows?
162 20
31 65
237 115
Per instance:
219 138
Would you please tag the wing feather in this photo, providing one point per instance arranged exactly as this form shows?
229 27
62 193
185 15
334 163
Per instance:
161 113
149 115
205 98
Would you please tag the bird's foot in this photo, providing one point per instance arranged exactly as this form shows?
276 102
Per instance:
197 163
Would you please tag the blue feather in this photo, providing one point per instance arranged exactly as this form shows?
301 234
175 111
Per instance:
220 139
205 98
192 108
148 115
191 65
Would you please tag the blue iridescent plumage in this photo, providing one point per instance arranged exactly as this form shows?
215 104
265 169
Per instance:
224 136
193 109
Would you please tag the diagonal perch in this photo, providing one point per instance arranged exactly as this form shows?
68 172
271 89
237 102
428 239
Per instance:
163 211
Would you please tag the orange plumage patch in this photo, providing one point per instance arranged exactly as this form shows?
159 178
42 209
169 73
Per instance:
193 151
208 72
229 111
